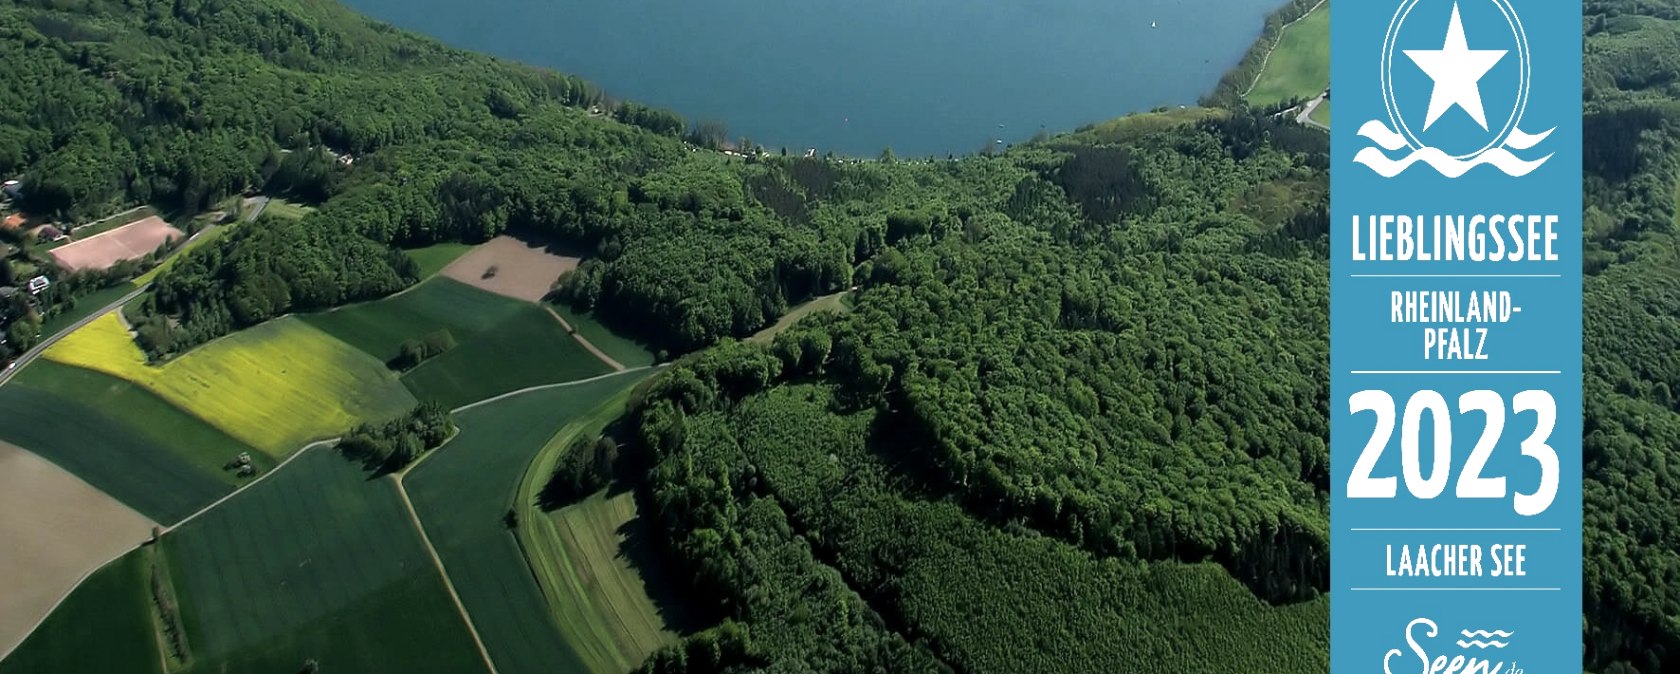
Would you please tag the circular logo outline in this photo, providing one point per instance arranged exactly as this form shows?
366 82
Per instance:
1524 73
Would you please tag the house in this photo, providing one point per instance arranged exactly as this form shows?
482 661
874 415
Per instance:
38 284
7 292
12 189
12 221
48 233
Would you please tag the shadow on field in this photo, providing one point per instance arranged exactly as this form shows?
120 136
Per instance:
645 551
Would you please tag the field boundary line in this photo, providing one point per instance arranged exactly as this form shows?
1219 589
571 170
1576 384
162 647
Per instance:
544 387
587 345
248 485
437 562
277 467
1267 59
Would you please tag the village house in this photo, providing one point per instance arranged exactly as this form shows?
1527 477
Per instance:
12 190
38 284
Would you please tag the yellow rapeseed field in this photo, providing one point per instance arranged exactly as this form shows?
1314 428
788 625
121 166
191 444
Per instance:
276 386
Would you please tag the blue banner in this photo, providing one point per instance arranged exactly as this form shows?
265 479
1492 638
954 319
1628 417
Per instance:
1455 337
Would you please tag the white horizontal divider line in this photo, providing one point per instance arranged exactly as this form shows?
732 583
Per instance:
1456 589
1455 275
1455 372
1454 529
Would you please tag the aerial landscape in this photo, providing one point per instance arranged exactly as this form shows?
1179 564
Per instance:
329 344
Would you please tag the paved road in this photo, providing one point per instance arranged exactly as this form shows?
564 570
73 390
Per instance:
1307 110
30 355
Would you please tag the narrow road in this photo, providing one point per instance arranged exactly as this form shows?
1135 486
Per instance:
30 355
602 355
1307 110
437 561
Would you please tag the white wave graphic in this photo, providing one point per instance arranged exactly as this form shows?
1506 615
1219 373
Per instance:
1389 140
1498 157
1522 141
1442 162
1484 633
1482 644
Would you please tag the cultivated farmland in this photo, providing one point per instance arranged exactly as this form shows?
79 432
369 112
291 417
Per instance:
275 387
53 527
508 266
463 490
527 349
502 344
315 562
122 440
128 242
621 349
105 625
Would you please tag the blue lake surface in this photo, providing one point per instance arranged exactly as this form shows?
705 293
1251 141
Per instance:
855 76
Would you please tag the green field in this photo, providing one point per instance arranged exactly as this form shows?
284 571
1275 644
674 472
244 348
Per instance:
276 386
503 344
105 625
316 562
1299 66
84 307
1321 114
432 259
119 438
834 302
622 349
281 208
463 490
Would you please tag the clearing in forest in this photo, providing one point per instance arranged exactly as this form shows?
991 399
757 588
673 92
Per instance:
128 242
464 490
1299 66
834 302
511 267
495 344
120 438
276 386
53 528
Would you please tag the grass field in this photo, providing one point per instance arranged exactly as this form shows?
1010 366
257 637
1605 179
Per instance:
85 306
101 226
380 327
503 344
1321 114
834 302
622 349
275 387
1299 66
432 259
281 208
105 625
122 440
581 556
316 562
462 492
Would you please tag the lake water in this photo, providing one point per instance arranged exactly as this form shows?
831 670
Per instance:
855 76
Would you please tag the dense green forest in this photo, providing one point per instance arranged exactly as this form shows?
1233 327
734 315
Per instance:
1075 420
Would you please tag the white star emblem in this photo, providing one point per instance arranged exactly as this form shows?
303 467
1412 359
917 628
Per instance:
1456 68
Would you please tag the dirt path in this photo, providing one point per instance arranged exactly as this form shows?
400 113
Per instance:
1267 59
414 516
615 365
448 584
